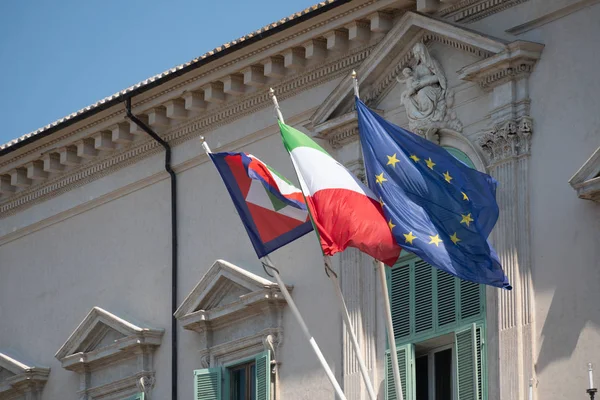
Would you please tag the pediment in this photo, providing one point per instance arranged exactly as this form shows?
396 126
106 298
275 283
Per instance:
587 180
18 374
223 284
377 73
225 290
101 329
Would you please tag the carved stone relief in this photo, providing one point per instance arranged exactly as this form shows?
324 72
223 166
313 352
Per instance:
427 98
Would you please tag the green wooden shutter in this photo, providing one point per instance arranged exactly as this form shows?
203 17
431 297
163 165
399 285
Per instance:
263 376
468 363
399 289
406 356
207 384
423 297
137 396
446 298
470 304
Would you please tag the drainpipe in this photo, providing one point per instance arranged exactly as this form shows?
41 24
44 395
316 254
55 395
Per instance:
169 169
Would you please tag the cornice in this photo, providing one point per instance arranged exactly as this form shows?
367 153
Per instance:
467 11
198 126
211 71
516 62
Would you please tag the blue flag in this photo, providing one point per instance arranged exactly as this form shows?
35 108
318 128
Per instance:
437 207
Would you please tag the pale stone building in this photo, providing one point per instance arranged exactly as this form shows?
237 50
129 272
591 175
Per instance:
88 305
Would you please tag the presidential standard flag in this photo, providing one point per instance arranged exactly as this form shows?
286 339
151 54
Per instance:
344 211
436 206
273 210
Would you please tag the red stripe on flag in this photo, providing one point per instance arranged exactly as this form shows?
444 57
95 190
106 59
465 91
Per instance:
346 218
239 173
271 224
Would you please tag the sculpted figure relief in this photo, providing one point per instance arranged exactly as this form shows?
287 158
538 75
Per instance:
426 93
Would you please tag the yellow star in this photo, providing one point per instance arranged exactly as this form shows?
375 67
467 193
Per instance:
392 160
429 163
454 238
409 237
465 197
447 177
435 240
415 158
466 219
381 202
390 224
380 179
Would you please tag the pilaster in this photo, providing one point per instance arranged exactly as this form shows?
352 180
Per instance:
507 146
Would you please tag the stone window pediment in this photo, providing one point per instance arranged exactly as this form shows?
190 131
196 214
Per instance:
226 294
18 377
104 343
237 313
587 180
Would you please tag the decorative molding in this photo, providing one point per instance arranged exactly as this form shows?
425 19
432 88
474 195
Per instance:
467 11
516 62
395 50
553 16
237 314
25 378
507 140
103 340
586 181
189 82
225 114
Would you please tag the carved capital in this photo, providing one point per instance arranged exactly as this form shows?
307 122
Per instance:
205 360
145 384
508 139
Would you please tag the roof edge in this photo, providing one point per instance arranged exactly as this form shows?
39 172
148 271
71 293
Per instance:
121 97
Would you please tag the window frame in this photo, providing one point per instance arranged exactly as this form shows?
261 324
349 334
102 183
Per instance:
226 373
222 372
431 369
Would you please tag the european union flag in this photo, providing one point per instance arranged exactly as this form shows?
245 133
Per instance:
437 207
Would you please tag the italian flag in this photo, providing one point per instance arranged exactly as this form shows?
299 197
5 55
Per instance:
345 212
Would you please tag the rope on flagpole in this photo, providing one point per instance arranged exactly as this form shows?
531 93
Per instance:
386 300
357 350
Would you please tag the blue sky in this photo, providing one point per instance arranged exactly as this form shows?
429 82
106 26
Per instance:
62 55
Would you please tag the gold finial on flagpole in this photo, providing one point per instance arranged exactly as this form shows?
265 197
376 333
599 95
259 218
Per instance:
205 145
276 104
355 83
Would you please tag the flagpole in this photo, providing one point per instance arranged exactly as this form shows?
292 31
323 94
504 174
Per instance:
386 301
268 263
342 304
357 350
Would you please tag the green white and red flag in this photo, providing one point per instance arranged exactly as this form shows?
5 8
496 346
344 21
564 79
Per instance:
344 211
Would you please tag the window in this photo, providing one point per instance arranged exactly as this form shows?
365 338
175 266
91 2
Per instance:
244 380
439 323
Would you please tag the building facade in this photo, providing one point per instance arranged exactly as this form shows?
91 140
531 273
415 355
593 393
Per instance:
89 308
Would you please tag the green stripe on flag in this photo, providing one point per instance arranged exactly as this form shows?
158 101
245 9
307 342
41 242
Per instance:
293 138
